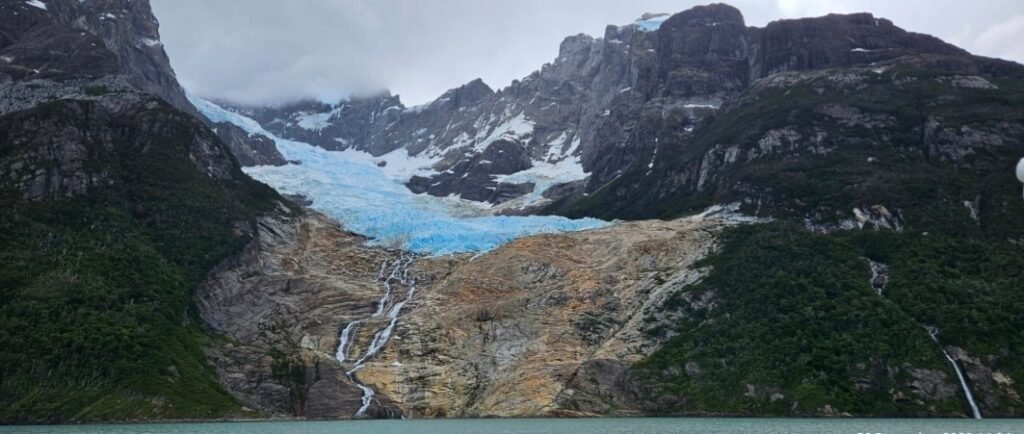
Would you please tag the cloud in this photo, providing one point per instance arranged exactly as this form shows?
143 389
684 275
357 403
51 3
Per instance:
1005 39
808 8
273 51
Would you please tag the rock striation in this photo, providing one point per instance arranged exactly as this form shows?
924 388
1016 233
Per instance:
544 326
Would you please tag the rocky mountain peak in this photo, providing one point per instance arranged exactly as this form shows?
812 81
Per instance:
703 50
89 39
467 94
836 40
708 14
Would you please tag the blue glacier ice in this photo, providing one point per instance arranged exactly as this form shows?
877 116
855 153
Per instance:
367 200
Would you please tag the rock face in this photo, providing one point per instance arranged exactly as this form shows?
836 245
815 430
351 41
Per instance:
72 147
836 41
46 44
250 150
282 305
547 325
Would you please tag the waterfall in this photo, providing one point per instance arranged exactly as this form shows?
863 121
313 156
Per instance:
879 276
367 397
345 341
934 333
399 275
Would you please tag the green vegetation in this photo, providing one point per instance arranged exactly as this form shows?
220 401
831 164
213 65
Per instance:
96 313
795 317
795 324
290 371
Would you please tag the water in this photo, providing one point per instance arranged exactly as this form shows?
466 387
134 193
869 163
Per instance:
399 275
344 341
560 426
934 333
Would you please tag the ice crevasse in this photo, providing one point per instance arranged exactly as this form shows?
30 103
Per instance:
372 201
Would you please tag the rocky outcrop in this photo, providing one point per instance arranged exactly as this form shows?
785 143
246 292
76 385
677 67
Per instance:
72 147
57 42
703 53
473 179
249 149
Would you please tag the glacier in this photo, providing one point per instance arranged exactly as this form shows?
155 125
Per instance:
371 200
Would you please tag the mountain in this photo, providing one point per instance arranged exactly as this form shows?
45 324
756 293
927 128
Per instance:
874 268
816 218
117 202
595 112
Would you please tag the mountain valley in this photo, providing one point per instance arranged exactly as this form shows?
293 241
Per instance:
687 216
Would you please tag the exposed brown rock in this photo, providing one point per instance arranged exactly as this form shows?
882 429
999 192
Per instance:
547 325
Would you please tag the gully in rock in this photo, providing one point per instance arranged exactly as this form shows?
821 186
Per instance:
976 413
399 275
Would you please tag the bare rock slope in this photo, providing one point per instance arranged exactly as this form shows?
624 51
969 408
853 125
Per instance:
546 325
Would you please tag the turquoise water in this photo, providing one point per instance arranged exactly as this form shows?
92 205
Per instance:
560 426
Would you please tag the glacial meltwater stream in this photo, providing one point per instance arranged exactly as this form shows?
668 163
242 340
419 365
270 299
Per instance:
392 274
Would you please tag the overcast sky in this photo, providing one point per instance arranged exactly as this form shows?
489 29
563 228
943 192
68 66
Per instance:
273 51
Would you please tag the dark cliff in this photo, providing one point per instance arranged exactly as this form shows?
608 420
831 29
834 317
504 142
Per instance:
116 203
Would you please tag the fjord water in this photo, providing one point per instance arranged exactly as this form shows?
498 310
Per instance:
559 426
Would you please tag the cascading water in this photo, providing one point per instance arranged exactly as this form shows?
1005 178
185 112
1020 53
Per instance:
879 276
345 341
398 275
934 333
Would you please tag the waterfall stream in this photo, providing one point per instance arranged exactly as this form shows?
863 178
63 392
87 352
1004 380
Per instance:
398 275
345 340
934 333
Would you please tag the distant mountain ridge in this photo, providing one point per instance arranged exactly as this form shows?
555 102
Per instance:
584 112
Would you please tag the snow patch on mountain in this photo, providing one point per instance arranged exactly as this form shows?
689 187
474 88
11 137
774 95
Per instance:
366 194
36 3
516 128
314 121
544 176
398 164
